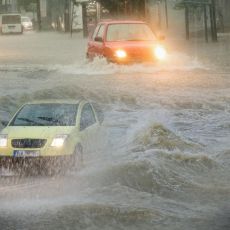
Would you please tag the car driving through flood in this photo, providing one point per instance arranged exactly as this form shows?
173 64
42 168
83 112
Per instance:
126 41
26 23
48 132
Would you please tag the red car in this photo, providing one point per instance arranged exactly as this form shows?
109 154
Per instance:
125 42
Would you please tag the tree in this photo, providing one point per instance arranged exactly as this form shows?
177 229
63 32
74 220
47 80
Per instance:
39 15
115 6
192 3
111 5
26 4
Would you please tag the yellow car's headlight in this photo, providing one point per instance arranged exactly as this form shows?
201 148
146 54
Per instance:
58 141
3 140
120 54
160 52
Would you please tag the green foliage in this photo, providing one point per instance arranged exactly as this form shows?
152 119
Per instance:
111 5
179 5
192 3
28 5
114 5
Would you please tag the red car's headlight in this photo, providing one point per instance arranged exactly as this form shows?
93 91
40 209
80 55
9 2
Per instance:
160 52
120 54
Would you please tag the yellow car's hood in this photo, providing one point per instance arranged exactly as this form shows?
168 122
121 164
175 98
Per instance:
36 131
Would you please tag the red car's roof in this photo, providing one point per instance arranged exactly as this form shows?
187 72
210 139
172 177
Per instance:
108 21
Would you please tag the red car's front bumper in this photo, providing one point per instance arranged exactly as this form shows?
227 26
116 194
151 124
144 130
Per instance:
134 53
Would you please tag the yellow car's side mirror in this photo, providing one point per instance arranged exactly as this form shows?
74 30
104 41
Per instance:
4 123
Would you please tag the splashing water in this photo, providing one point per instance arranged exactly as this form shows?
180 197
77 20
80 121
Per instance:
158 162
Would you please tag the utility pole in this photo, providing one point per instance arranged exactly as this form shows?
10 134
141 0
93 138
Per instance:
205 23
214 30
126 10
84 18
72 15
98 9
39 15
187 21
166 14
146 10
66 16
159 13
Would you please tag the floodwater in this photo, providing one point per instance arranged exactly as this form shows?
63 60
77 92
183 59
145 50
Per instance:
162 159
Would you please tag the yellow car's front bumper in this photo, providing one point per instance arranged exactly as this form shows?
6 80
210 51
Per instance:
44 151
34 163
38 152
48 166
46 157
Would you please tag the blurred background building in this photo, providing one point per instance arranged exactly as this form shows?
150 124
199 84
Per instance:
8 6
62 15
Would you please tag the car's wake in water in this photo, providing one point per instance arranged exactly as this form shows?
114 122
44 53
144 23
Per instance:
99 66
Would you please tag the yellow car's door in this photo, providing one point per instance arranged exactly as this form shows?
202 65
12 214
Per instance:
88 126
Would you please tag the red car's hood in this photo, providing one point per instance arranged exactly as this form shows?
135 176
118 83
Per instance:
131 45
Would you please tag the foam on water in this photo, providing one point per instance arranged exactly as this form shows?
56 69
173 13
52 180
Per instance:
174 62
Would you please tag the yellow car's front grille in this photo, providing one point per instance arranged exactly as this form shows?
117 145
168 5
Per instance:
28 143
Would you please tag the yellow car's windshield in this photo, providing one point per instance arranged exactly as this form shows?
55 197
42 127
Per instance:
46 115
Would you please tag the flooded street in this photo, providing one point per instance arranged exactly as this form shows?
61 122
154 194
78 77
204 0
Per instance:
162 158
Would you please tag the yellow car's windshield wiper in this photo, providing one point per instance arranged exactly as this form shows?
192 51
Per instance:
29 121
48 119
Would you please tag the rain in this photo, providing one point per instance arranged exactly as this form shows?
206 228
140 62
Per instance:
160 159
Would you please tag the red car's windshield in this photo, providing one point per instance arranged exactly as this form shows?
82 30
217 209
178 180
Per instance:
129 32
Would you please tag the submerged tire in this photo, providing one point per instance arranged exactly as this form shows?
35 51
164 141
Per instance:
77 157
52 167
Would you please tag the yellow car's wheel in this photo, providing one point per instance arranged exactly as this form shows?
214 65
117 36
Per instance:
53 166
77 157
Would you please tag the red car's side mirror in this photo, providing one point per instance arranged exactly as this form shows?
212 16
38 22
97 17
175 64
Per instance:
98 39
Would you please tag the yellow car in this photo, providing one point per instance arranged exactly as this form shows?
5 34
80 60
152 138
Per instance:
48 134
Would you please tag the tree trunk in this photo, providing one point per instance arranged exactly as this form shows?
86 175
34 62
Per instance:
39 15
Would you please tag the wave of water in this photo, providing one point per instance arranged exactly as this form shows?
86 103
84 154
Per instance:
151 172
158 136
174 62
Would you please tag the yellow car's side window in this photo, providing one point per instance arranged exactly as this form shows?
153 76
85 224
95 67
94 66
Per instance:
87 117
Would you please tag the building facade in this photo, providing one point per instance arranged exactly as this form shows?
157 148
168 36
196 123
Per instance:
223 15
8 6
